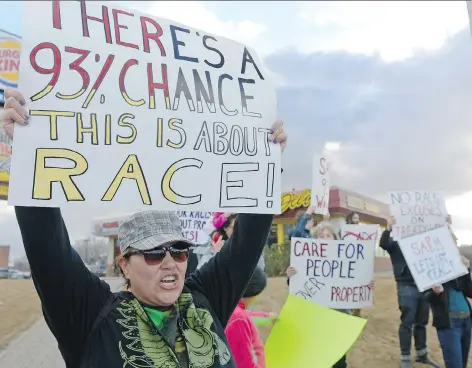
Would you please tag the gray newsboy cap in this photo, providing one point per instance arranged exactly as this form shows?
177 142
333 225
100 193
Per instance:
150 229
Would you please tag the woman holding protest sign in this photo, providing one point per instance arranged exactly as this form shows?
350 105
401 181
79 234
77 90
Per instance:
452 315
163 320
323 231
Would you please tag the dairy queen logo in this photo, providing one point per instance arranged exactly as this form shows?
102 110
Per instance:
9 62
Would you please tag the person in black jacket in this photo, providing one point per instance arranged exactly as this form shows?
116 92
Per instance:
413 304
452 318
164 320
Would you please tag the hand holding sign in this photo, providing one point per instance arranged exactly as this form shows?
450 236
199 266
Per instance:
15 112
433 258
150 119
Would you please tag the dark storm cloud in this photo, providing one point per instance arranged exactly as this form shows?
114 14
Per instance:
402 125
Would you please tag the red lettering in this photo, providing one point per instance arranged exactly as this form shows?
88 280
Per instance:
152 36
105 20
152 86
351 294
297 243
56 14
323 249
118 26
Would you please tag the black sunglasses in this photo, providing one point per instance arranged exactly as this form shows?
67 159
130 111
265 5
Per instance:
157 255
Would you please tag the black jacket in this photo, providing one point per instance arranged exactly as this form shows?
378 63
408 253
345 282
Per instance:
97 328
400 268
440 302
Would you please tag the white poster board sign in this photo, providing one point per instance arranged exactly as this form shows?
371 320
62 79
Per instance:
432 257
320 185
416 212
193 224
141 112
353 232
333 273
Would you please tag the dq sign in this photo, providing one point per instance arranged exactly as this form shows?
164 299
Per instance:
9 61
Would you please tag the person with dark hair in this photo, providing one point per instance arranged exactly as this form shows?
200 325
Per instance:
305 222
452 318
223 224
353 218
163 320
413 304
241 331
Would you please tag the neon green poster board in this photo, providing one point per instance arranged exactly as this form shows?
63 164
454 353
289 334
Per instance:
308 335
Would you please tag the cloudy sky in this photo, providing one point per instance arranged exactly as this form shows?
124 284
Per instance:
389 81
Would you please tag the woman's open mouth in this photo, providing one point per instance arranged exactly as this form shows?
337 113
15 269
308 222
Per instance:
169 282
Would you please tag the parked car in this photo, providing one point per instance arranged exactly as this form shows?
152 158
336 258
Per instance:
15 274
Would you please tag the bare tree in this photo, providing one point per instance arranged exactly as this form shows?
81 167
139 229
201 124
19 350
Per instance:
22 264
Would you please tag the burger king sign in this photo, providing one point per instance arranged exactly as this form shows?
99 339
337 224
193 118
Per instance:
10 47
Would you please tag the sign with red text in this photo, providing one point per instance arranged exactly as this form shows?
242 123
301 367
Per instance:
320 185
416 212
130 111
432 257
360 232
193 225
333 273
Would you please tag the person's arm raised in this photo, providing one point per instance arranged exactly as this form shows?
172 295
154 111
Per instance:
70 294
225 277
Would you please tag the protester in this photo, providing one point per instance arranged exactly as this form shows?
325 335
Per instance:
452 318
305 222
353 218
413 304
241 331
163 320
323 231
223 224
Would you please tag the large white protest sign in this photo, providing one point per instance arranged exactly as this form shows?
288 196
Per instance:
320 185
432 257
416 212
333 273
193 224
352 232
133 111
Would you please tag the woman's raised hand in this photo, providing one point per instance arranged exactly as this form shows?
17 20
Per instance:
13 111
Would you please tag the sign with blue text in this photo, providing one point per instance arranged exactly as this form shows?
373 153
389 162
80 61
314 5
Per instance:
131 111
333 273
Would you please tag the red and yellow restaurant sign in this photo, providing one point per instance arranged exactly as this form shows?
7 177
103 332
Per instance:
292 201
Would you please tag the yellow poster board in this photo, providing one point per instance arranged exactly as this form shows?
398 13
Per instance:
308 335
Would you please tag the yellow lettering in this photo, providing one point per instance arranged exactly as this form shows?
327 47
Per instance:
81 130
160 125
44 175
131 169
174 124
132 102
297 200
52 119
123 123
167 190
107 129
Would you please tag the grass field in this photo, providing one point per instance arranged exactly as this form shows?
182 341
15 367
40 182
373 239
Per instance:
19 308
376 348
